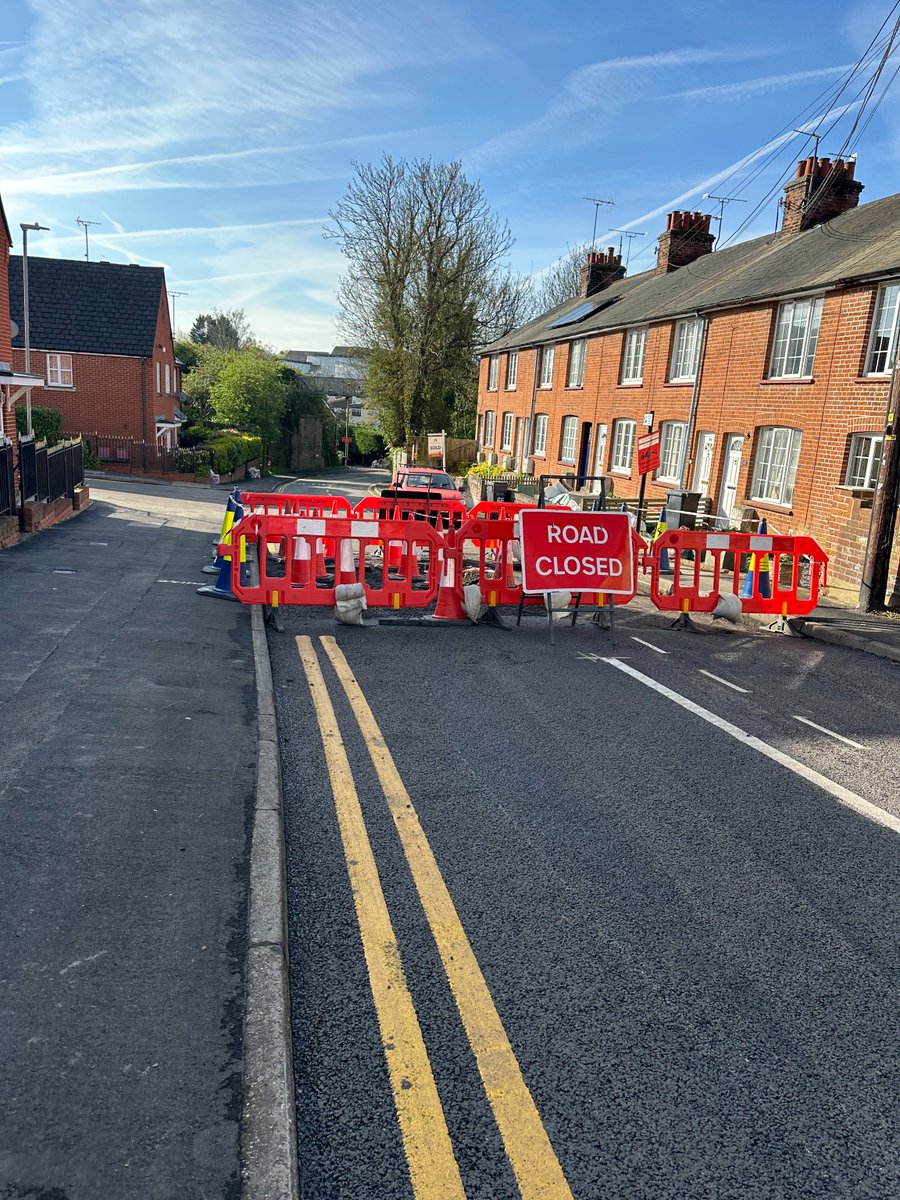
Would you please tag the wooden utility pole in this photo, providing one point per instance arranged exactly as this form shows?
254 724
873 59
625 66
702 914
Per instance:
876 566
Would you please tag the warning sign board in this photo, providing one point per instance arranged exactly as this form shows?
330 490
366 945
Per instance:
577 552
648 452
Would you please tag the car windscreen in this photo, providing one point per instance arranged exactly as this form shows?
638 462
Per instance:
427 481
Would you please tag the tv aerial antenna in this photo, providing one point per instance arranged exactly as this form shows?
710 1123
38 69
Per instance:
631 234
81 221
597 203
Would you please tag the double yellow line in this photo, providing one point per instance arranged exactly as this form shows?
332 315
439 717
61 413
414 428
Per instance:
433 1168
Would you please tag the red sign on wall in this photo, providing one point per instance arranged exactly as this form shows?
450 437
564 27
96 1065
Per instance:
648 452
577 552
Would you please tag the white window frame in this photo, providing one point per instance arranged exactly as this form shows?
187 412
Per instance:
490 424
785 343
546 378
621 455
884 330
568 439
57 371
575 370
168 372
775 462
541 421
479 425
633 357
869 455
506 431
493 372
672 435
159 379
686 342
512 370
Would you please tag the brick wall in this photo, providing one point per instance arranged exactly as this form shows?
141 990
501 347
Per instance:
734 398
8 423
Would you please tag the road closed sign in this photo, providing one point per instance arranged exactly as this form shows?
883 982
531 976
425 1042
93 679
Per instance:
577 552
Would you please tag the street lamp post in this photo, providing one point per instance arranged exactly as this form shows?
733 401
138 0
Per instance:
26 323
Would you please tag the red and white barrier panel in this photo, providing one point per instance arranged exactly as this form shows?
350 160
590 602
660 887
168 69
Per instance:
357 550
280 504
781 583
440 514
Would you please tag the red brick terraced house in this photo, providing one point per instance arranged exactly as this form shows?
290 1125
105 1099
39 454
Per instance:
101 337
767 366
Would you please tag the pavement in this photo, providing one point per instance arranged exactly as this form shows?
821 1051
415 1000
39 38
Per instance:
129 751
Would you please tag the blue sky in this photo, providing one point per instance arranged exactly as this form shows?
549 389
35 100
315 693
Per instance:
212 137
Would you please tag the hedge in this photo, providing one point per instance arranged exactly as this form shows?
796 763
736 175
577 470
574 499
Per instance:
232 449
46 423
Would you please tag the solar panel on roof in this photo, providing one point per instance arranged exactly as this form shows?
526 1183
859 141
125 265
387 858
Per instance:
575 315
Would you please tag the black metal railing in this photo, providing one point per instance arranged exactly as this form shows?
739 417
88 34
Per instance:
7 481
48 473
146 456
28 468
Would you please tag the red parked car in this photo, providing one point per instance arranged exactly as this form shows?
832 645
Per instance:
436 484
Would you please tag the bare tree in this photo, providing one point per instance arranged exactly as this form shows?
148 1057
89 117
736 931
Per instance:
226 330
426 286
561 280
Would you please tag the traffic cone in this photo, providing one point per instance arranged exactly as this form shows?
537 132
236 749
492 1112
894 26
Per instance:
320 559
395 557
763 567
222 586
345 565
449 605
664 568
301 565
234 512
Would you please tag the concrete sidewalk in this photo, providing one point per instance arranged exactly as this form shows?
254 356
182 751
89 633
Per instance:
129 720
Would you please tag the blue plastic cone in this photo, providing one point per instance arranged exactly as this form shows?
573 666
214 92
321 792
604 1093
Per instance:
222 586
765 580
235 510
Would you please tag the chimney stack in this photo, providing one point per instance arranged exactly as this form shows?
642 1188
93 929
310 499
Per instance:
820 190
599 271
686 237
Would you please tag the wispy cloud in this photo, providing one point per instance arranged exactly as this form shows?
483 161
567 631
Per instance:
754 87
602 87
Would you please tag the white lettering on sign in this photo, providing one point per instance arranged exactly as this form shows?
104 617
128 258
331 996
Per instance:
573 533
551 565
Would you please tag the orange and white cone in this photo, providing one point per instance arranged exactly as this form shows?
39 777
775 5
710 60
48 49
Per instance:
449 605
346 568
320 558
301 564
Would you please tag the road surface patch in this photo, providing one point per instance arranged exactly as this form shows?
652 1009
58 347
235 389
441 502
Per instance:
528 1148
433 1170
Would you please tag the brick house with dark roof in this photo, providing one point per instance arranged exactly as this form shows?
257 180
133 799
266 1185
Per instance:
767 366
101 336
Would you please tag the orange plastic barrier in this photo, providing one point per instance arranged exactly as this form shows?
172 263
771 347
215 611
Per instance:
300 580
440 514
688 588
281 503
494 542
497 510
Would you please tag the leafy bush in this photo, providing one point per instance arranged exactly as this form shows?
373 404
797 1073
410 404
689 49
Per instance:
90 459
46 423
463 469
230 450
190 461
483 471
194 435
203 472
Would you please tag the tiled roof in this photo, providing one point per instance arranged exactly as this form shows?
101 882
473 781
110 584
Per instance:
860 244
87 307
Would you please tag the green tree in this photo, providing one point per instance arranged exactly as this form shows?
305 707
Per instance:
200 380
187 353
426 286
227 330
369 441
249 393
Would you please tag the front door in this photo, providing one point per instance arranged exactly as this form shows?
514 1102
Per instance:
734 447
520 437
703 468
600 450
584 453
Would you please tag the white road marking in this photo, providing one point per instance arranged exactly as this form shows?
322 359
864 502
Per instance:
719 679
821 728
184 582
649 645
843 795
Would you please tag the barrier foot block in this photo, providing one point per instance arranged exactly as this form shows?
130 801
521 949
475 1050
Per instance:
272 618
789 626
683 621
209 590
490 616
601 620
209 569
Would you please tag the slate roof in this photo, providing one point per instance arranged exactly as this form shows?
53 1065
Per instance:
87 307
860 244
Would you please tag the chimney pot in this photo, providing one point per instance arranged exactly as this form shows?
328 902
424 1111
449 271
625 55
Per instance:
599 271
809 200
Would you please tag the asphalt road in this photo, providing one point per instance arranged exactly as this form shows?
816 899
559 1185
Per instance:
129 734
686 941
352 482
